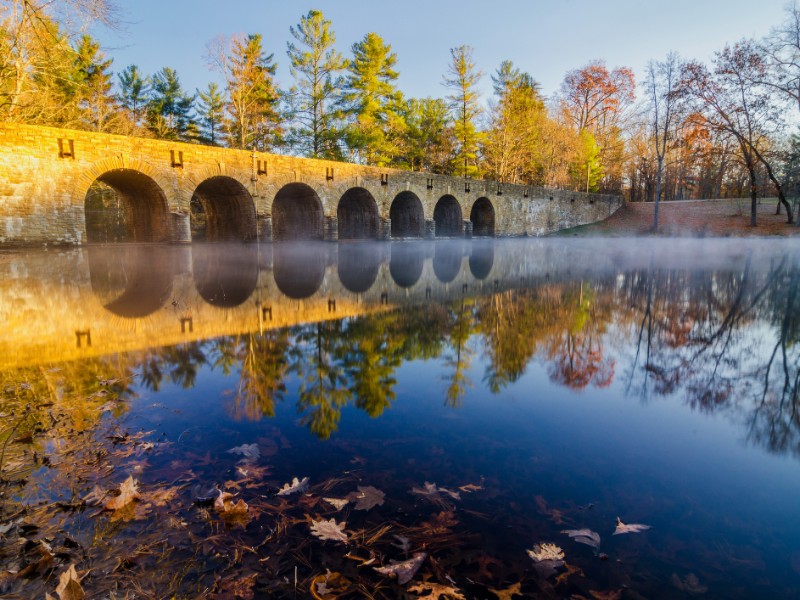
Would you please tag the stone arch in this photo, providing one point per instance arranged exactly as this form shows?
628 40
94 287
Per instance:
447 260
297 213
125 205
447 216
221 209
358 264
131 282
299 269
482 217
406 263
357 215
407 215
481 260
225 277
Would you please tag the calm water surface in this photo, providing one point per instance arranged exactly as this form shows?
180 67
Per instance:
469 400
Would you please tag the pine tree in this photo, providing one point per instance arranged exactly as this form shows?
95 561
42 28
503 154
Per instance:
428 143
211 114
315 99
463 77
374 100
133 93
169 109
93 96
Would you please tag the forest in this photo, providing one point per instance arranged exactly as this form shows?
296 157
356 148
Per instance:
688 130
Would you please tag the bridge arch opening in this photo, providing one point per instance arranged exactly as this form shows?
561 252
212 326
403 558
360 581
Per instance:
481 260
357 215
358 265
407 215
406 263
299 269
447 261
125 205
222 210
225 277
297 213
482 217
447 216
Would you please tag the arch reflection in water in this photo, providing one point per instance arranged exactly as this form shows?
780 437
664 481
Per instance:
358 265
406 262
132 281
481 259
299 269
447 260
225 275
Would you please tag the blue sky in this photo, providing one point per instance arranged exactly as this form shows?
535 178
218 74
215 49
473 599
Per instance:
543 37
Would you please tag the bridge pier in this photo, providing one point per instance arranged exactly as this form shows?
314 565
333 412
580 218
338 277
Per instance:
430 229
330 232
385 229
468 229
264 225
180 229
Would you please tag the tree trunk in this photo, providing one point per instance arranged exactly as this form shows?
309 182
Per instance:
753 194
659 172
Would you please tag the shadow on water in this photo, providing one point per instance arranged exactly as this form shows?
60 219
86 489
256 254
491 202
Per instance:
225 276
132 281
299 268
358 264
447 260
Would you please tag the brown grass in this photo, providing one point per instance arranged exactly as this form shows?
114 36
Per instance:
692 218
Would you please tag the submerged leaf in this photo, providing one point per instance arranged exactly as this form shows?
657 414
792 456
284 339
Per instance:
330 530
69 585
337 503
584 536
431 489
246 450
224 504
329 586
295 487
629 527
367 497
508 593
404 571
547 558
690 584
128 492
435 591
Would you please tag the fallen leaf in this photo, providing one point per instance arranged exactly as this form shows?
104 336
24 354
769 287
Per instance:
69 585
584 536
470 487
337 503
162 497
431 489
330 530
239 586
403 543
366 497
612 595
570 571
690 584
224 504
547 558
329 586
128 492
629 528
436 591
295 487
404 571
246 450
507 593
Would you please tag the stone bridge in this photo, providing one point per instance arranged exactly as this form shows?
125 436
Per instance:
59 186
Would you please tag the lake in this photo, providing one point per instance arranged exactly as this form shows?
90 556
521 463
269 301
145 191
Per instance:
533 418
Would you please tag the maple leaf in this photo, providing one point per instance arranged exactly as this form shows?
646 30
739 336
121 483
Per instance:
295 487
584 536
247 450
435 591
330 530
508 593
366 497
629 527
69 585
128 492
404 571
337 503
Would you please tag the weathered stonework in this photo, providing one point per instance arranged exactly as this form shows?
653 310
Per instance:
45 174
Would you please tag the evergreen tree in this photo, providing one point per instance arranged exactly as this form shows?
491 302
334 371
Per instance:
428 143
463 77
169 109
94 98
315 99
211 114
375 101
133 93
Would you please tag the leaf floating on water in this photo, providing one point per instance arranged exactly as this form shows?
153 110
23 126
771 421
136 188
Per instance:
470 487
435 591
690 584
367 497
404 571
128 492
225 505
329 586
584 536
547 558
69 585
250 451
330 530
432 490
629 528
337 503
295 487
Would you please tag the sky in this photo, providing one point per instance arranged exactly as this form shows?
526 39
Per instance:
545 38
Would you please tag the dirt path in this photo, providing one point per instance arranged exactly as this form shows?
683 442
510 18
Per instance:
717 218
